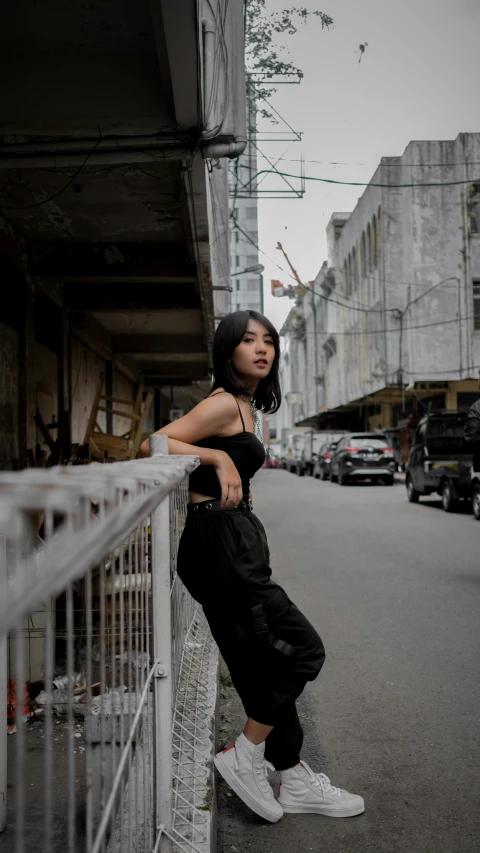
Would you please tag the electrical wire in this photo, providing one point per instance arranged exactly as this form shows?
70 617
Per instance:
367 183
384 165
59 192
396 331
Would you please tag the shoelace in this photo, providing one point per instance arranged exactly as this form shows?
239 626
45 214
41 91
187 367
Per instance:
322 781
261 774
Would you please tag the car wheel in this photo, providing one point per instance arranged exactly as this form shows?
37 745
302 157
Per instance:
324 475
332 477
299 470
476 501
448 496
412 493
342 478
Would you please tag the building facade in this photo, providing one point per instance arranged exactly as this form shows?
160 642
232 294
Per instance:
391 324
247 286
114 238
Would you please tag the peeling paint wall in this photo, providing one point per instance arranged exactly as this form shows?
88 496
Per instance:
8 396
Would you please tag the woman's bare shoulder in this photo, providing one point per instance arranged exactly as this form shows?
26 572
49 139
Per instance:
220 402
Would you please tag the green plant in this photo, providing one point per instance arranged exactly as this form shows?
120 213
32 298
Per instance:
262 54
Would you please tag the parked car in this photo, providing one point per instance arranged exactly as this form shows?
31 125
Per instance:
308 448
476 493
321 468
290 450
363 456
271 458
440 460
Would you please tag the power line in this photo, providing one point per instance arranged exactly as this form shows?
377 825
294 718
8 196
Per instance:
366 183
397 330
383 165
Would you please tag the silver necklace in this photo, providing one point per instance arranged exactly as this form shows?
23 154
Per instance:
257 429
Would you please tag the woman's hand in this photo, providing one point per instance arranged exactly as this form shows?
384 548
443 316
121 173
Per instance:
229 479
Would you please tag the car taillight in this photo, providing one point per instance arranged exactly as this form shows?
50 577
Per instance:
388 449
352 449
326 455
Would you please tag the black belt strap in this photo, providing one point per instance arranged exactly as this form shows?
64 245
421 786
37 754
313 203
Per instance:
262 632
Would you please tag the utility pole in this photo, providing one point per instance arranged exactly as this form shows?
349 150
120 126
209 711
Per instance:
399 314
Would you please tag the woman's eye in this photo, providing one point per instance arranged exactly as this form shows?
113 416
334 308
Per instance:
247 340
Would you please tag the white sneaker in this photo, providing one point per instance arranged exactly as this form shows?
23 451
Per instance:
244 768
303 791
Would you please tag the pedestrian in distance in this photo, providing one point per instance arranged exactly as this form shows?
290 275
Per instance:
269 646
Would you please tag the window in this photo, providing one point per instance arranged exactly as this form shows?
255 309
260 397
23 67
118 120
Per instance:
237 260
375 241
369 248
238 284
345 276
476 305
354 269
349 277
473 208
363 256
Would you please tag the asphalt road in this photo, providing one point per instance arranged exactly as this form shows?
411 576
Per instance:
394 590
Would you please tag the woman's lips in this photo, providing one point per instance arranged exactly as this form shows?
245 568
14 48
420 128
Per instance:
261 362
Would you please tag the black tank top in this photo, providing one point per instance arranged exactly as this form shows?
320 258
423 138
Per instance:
246 452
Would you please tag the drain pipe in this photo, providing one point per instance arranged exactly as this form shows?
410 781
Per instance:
225 98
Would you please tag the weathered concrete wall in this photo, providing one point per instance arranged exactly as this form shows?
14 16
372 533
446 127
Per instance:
8 396
397 244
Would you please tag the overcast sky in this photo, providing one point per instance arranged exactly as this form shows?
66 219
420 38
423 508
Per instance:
418 79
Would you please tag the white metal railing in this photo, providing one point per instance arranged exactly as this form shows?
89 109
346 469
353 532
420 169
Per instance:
110 744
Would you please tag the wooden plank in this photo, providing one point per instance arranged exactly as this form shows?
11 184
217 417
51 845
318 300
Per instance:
93 414
127 415
118 400
138 437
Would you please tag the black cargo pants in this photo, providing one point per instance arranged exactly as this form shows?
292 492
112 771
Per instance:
270 648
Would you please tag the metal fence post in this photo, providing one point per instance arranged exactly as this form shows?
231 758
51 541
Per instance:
3 696
162 650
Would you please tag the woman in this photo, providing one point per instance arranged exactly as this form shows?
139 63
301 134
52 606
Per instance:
269 647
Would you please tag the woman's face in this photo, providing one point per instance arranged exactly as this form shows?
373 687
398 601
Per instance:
255 354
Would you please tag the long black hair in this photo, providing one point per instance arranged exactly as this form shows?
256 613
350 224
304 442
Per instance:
229 334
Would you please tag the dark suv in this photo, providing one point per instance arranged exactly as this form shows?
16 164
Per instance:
440 460
363 456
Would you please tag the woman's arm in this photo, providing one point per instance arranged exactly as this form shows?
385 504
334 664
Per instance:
210 417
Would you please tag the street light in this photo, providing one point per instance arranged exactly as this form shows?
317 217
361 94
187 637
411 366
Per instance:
399 315
256 268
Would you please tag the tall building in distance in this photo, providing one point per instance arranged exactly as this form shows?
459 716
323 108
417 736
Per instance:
247 279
